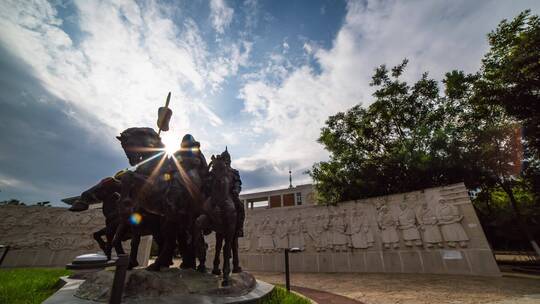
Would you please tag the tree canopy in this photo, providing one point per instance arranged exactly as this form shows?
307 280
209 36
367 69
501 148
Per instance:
415 136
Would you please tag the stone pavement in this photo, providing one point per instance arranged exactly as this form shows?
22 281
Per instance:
416 288
320 296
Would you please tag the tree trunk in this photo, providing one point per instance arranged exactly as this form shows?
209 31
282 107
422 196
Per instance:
519 220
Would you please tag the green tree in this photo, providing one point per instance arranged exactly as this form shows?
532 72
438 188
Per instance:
12 202
511 73
409 138
510 78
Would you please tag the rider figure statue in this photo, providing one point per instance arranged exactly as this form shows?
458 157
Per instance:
235 191
193 163
192 160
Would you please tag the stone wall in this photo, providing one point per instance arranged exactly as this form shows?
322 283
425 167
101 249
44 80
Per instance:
414 232
51 236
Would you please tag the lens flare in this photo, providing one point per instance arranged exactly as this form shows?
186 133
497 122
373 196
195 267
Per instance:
171 144
135 218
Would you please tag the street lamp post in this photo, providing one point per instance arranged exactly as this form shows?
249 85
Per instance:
287 274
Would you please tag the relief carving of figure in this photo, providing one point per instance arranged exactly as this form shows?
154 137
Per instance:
450 219
281 238
407 225
388 225
338 228
428 225
245 242
296 233
318 231
361 235
266 230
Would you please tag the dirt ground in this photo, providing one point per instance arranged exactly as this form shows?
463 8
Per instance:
416 288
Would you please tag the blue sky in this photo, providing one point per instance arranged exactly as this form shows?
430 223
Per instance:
260 77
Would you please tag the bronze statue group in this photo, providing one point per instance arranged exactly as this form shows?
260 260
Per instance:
175 198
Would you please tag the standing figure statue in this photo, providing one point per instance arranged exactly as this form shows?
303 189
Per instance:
388 224
281 238
428 225
407 225
189 170
235 192
450 221
361 235
296 233
266 230
318 232
245 243
338 227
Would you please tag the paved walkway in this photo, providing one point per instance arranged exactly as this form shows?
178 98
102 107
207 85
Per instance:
415 288
323 297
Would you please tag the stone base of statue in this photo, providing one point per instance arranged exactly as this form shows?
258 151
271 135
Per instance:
167 286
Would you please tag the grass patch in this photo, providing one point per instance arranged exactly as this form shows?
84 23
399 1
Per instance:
280 296
29 285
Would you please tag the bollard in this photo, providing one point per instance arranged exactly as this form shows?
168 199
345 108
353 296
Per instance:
119 278
287 273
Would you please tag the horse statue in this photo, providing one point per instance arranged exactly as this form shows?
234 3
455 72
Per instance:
107 192
219 214
143 190
158 187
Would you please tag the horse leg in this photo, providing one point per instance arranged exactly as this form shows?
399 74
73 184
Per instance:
185 250
98 237
169 242
235 260
118 248
230 233
156 235
118 234
198 240
219 244
109 235
135 241
226 261
201 253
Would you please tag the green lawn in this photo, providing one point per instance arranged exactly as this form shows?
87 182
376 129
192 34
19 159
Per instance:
28 285
280 296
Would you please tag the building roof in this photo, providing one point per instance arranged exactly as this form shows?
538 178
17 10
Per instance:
276 191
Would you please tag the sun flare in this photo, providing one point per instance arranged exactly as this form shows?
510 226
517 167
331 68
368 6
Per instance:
171 145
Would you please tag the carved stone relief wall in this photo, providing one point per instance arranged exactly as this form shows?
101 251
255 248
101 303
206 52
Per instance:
50 236
431 231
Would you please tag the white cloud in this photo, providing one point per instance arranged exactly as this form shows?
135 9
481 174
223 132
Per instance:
437 36
130 54
235 56
221 15
9 183
127 58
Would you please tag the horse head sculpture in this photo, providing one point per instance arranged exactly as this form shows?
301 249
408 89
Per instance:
140 144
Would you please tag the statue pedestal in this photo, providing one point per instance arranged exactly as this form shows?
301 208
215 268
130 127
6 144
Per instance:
85 264
167 286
